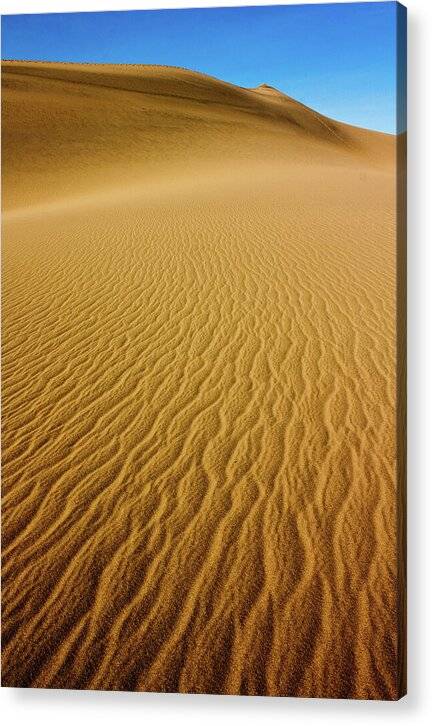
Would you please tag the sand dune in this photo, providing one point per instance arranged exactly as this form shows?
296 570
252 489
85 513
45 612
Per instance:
199 388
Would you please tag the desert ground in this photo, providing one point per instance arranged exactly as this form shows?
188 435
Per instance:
199 450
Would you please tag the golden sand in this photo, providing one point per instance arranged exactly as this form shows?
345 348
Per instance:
199 388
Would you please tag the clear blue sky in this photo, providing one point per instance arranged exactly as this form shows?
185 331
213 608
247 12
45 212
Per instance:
340 59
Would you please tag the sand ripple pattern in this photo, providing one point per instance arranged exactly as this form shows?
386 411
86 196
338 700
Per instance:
198 424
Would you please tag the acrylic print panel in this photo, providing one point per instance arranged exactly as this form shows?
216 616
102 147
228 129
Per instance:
203 350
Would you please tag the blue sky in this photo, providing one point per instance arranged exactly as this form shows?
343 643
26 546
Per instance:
340 59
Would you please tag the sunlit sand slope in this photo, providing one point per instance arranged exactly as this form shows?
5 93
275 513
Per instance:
199 388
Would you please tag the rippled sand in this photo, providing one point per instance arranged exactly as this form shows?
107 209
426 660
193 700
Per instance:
199 451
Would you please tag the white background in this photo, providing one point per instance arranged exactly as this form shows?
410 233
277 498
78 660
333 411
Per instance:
49 708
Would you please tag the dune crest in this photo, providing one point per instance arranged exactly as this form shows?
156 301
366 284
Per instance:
199 388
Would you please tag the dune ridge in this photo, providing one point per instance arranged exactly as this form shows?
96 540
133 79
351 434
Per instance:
199 485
